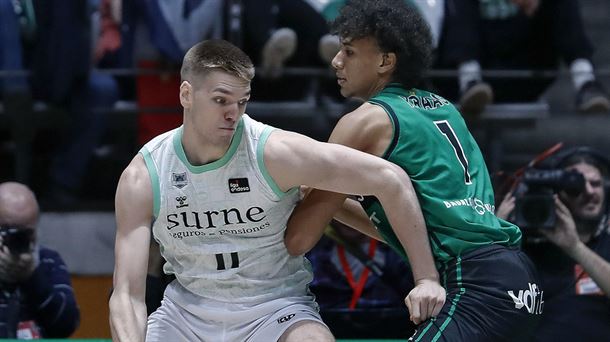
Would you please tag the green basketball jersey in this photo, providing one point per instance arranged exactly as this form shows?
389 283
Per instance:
433 145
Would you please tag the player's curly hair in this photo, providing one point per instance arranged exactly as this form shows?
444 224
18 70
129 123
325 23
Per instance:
397 27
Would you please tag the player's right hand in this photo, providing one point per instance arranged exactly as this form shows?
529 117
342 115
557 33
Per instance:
425 300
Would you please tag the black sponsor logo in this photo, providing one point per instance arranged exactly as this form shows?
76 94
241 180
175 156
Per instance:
285 319
215 218
237 185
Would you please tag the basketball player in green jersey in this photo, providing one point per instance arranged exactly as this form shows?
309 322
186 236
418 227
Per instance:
492 293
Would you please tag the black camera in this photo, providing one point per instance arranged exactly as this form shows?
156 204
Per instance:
534 203
17 239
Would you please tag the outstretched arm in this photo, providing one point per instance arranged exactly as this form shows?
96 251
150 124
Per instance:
293 159
134 206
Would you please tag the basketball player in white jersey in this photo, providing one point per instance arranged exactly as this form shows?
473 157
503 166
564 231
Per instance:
216 194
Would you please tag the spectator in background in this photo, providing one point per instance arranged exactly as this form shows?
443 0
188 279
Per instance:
360 284
53 39
63 77
432 11
516 34
574 260
37 300
287 33
279 32
17 26
173 26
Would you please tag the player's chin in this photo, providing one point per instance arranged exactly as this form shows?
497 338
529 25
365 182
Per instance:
345 92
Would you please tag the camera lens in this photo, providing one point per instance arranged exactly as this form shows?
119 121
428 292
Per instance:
536 211
17 239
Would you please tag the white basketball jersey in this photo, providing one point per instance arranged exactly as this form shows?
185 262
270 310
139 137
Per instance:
221 225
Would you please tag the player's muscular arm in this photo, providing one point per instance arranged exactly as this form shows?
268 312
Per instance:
293 159
133 203
367 129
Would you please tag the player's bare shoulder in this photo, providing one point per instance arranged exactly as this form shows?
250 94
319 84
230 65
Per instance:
135 181
136 171
286 155
367 128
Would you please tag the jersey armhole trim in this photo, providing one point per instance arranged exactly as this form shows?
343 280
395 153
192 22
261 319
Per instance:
395 126
260 157
154 180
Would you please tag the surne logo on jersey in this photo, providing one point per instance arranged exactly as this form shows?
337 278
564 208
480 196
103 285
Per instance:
237 185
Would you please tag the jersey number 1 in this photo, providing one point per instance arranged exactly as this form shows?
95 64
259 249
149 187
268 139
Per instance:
445 128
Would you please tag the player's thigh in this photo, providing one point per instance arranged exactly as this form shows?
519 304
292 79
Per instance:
305 331
169 323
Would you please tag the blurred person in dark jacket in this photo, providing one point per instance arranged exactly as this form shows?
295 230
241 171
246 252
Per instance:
36 297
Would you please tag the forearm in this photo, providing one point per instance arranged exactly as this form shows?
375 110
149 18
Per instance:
309 219
127 318
597 267
404 213
414 239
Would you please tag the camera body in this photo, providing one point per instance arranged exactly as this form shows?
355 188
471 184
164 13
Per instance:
534 202
17 239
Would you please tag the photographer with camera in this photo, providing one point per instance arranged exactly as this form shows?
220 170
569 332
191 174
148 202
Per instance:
36 297
571 245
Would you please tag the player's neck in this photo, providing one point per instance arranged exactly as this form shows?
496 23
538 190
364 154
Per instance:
201 151
377 87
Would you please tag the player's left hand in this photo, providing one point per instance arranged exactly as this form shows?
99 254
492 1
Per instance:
425 300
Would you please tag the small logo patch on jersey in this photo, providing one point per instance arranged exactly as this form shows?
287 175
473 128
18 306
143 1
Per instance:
179 180
181 202
285 318
238 185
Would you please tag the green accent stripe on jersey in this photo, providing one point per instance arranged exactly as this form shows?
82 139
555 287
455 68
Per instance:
154 180
215 164
423 332
260 157
458 271
395 126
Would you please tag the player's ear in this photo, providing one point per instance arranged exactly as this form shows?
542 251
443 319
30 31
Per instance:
186 95
387 62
